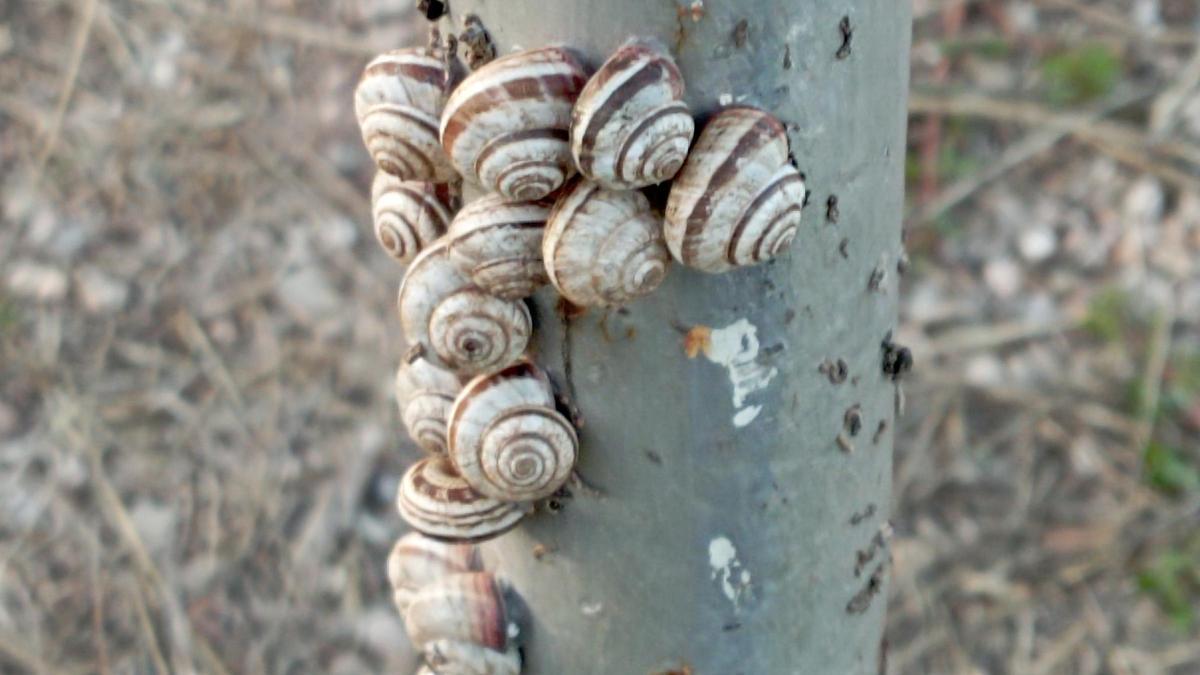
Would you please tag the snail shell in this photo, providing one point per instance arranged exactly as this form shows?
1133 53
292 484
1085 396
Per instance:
397 102
437 502
604 247
630 127
458 325
409 215
737 200
507 124
470 607
417 561
506 438
425 394
453 657
498 241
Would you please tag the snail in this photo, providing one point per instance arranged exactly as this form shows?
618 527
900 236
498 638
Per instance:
630 127
498 242
506 126
466 624
505 437
425 393
737 199
397 101
435 500
604 247
459 326
409 215
417 560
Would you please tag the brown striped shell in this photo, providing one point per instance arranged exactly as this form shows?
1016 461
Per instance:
425 394
507 440
506 126
435 501
417 561
459 326
454 657
630 127
737 200
397 101
498 242
409 215
604 247
469 607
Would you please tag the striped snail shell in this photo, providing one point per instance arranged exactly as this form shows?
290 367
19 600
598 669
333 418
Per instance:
506 125
425 393
630 127
472 607
737 200
604 247
458 325
397 101
437 502
498 242
409 215
506 438
417 561
454 657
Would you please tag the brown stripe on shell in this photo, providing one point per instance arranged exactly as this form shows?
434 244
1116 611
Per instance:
563 205
494 145
748 213
758 253
648 73
561 86
619 168
764 130
431 75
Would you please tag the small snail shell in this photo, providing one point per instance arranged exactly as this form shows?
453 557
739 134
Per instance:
506 125
630 126
453 657
471 607
417 561
425 394
737 200
604 247
409 215
458 325
397 101
499 243
507 440
437 502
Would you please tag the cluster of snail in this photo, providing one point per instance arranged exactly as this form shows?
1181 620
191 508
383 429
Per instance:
463 619
563 158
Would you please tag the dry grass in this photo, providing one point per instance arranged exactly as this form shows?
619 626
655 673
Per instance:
196 432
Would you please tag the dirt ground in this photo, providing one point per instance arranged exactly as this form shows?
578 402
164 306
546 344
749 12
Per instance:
185 273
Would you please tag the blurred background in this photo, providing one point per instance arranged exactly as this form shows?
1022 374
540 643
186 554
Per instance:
197 456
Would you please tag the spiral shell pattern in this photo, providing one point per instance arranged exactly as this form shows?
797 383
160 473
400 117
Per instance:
604 247
460 327
506 438
397 101
416 561
409 215
498 242
434 500
737 200
507 124
630 127
425 394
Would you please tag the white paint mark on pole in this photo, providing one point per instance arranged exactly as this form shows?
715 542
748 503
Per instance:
735 347
728 571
